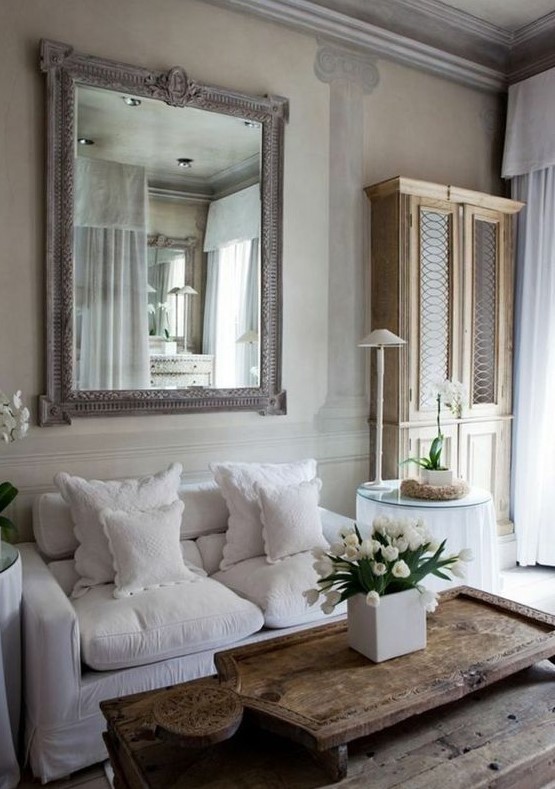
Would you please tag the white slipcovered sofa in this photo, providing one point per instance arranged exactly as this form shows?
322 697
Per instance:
79 652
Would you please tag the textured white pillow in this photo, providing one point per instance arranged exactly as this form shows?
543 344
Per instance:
290 518
237 482
86 498
145 548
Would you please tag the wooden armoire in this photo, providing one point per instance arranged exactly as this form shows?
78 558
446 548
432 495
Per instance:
442 279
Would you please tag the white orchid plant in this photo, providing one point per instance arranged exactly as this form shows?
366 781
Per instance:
14 424
453 395
396 556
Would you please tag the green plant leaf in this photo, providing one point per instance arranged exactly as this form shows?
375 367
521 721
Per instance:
435 452
419 462
7 528
7 494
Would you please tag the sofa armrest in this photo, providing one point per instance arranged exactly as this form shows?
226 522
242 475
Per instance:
51 646
332 522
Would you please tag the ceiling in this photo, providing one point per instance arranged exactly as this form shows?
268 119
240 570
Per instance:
225 151
488 44
507 14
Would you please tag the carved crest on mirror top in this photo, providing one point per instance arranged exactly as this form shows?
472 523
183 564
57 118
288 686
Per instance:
65 69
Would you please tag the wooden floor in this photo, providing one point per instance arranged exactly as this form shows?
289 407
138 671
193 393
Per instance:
92 778
534 586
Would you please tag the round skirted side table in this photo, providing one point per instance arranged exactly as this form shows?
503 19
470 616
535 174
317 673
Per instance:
468 522
10 663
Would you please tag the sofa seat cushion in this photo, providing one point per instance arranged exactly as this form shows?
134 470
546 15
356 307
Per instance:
277 588
161 623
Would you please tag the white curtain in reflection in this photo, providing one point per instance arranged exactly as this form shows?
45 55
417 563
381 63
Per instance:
111 276
231 309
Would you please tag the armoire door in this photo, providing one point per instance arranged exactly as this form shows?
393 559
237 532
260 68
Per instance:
484 461
434 302
488 314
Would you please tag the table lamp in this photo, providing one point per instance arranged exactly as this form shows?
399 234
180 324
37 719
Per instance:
187 291
380 339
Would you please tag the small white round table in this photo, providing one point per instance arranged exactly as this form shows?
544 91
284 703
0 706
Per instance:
10 663
464 523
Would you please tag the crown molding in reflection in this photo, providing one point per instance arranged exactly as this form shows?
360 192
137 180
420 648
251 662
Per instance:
177 196
225 182
424 34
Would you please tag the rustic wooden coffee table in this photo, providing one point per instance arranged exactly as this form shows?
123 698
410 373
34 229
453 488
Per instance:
311 688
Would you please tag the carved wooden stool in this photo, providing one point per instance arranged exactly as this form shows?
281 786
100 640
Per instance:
197 715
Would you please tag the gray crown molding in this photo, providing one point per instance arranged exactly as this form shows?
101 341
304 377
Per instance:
533 50
424 34
64 68
328 23
460 20
546 24
335 63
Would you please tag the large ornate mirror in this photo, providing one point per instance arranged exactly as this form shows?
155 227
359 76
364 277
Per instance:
164 242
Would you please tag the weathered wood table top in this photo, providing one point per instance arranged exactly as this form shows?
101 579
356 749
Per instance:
312 689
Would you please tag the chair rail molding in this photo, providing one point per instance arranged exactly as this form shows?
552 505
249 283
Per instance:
350 75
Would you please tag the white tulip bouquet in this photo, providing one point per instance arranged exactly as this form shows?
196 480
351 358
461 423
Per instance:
397 556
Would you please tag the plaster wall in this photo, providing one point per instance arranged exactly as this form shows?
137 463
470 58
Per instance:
415 124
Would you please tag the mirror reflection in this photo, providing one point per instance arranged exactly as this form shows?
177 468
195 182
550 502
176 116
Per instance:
166 246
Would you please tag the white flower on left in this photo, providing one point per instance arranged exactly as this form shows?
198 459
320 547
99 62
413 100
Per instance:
14 418
311 596
323 566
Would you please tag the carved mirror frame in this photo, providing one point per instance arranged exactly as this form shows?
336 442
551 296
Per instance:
64 69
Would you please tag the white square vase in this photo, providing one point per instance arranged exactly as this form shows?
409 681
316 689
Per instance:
395 627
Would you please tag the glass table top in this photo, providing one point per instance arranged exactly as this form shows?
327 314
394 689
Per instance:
8 556
394 498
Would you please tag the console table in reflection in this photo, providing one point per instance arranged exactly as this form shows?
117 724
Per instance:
181 370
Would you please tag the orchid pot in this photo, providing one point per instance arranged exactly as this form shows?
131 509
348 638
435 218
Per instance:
439 477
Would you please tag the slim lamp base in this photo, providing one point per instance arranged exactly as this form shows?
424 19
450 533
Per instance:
377 485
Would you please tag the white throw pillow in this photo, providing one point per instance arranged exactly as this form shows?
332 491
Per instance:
145 548
237 482
86 498
290 518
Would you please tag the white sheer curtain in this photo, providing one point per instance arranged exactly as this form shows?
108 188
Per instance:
232 298
232 277
111 276
530 161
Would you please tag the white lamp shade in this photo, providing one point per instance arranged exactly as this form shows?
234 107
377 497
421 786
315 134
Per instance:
187 291
381 338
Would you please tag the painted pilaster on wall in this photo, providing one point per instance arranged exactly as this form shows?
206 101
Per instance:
350 76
